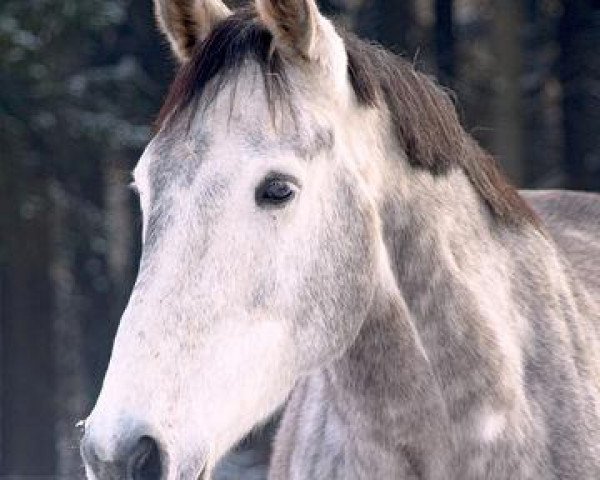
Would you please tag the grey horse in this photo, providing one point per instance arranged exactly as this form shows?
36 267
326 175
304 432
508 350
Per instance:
319 231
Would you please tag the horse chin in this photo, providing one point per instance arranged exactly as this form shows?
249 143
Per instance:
203 474
192 469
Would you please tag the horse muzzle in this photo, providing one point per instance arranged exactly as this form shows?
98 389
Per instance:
130 453
136 458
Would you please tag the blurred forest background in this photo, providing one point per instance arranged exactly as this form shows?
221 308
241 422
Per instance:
80 84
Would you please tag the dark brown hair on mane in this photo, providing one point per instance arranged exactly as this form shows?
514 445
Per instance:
423 116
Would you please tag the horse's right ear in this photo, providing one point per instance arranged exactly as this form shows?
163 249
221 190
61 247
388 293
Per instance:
295 24
187 22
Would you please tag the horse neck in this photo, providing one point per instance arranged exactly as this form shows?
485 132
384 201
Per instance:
458 269
442 344
384 393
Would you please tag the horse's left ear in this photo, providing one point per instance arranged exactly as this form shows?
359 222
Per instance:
187 22
296 25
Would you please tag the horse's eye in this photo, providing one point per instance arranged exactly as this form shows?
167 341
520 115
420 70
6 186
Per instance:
275 191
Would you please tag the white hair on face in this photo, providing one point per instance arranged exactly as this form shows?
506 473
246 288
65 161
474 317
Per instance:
232 367
209 344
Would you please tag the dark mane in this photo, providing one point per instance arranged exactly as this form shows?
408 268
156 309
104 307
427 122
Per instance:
424 118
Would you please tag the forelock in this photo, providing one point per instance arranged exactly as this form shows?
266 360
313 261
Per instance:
219 59
423 117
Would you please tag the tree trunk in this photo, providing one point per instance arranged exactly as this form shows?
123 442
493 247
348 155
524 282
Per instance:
508 141
444 41
390 23
580 77
70 392
28 375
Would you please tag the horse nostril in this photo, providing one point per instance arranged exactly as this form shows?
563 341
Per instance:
145 461
126 457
